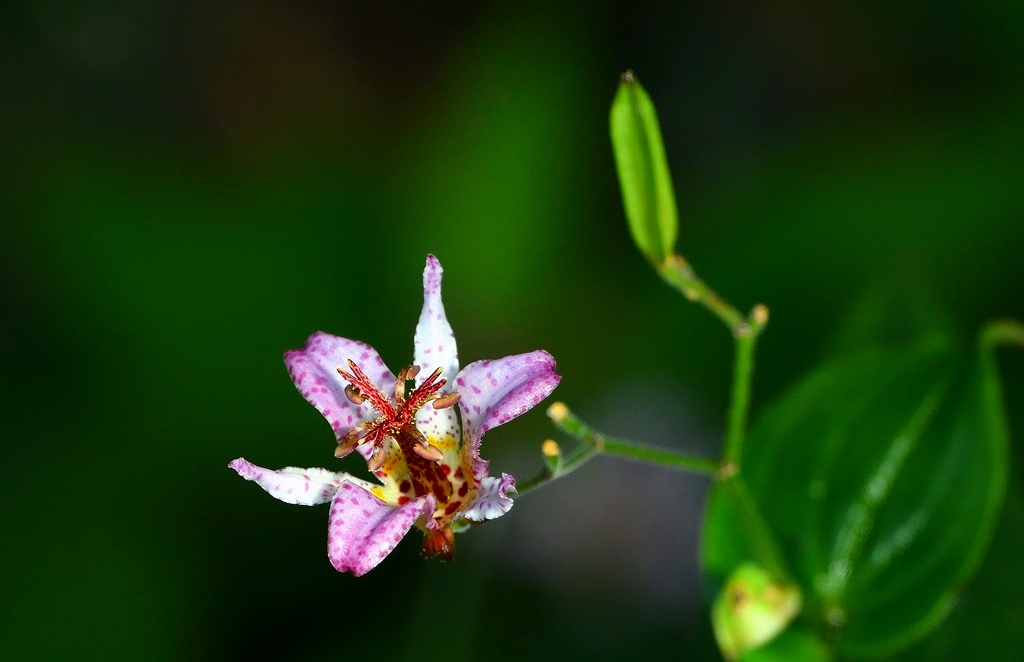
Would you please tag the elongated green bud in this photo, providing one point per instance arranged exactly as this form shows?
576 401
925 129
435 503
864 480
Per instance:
643 171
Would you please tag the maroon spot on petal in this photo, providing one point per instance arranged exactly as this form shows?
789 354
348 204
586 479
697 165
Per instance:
458 473
403 500
463 489
445 469
452 507
404 486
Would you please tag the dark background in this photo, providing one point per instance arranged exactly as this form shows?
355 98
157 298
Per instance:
189 191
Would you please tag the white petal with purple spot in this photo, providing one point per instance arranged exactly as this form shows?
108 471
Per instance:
303 487
491 499
434 347
495 392
363 529
314 369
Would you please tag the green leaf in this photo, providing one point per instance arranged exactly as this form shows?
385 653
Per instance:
881 476
643 171
988 620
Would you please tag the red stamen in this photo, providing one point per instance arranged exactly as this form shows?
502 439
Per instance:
397 421
368 390
425 391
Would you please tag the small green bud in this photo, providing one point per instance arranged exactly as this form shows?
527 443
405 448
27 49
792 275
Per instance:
751 610
552 453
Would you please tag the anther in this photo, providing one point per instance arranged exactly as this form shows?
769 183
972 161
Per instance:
376 461
354 395
428 452
347 445
406 373
447 400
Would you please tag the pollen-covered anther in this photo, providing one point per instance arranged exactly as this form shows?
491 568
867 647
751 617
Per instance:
447 400
354 395
407 373
428 452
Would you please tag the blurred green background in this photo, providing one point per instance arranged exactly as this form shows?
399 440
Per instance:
190 191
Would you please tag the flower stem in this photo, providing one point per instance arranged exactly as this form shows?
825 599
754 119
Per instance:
743 373
595 443
677 272
557 469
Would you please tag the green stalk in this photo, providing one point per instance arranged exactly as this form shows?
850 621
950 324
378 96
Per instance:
595 443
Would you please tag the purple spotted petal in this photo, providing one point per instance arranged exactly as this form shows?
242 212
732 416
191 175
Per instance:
495 392
314 369
363 529
491 499
434 347
304 487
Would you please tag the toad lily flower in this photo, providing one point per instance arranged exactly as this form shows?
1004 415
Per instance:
424 452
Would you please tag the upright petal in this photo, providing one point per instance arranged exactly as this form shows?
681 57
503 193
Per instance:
363 529
434 347
434 344
314 369
304 487
495 392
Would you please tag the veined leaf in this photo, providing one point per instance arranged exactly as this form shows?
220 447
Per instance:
881 476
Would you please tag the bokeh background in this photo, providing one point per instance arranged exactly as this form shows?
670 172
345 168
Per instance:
190 190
